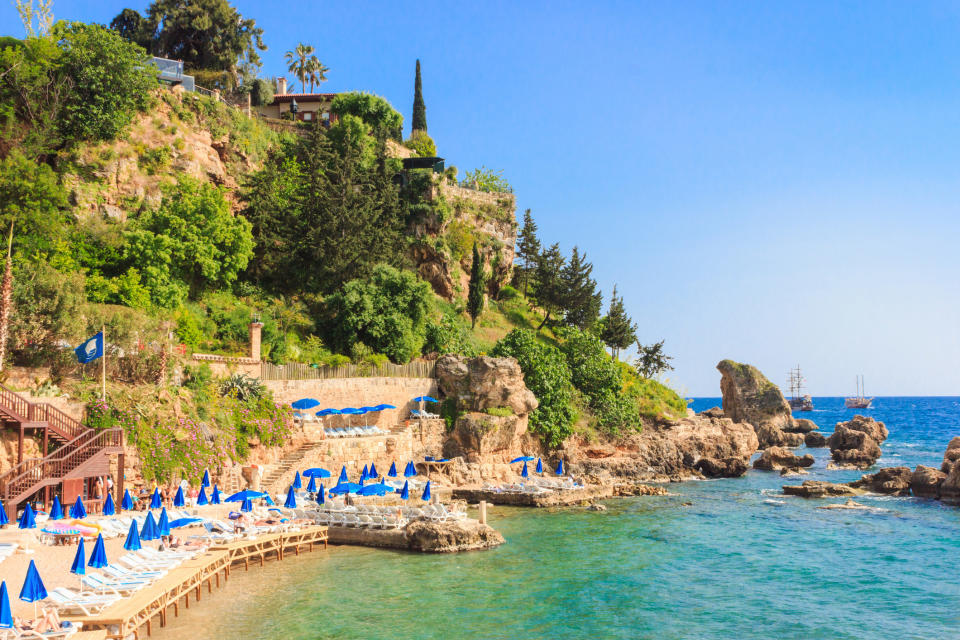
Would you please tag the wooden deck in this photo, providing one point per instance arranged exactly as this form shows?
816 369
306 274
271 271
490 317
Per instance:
130 614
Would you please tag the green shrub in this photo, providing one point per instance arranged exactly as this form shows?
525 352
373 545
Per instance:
507 292
450 412
261 92
500 412
422 144
242 387
375 111
447 335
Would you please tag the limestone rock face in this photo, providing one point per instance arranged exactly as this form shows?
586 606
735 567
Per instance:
485 383
802 425
724 468
820 489
925 482
815 440
749 397
951 456
856 443
776 458
451 536
482 438
891 480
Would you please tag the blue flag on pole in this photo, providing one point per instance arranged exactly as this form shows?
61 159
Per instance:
91 349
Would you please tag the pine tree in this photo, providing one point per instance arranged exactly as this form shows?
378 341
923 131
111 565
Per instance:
547 290
475 292
528 250
419 122
582 301
619 331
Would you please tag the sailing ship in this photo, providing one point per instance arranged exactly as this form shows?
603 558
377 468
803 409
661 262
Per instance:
799 401
858 401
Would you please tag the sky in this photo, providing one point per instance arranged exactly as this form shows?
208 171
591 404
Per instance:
775 183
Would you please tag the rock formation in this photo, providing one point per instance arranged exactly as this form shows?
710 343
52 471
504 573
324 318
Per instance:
450 537
749 397
802 425
856 443
925 482
950 489
891 480
776 458
820 489
815 440
724 468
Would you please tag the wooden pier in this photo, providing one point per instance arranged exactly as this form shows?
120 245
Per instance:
127 616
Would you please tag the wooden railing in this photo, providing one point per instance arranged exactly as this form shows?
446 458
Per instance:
298 371
13 404
58 421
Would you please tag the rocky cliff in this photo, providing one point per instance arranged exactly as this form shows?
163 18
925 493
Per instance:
749 397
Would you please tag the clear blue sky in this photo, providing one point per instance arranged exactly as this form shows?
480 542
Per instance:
774 182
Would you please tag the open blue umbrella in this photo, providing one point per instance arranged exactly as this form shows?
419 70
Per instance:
215 496
343 475
4 520
424 399
393 470
6 615
373 471
246 506
127 503
316 472
109 508
560 467
79 565
268 500
98 558
77 511
246 494
291 501
155 501
183 522
539 465
132 543
523 459
383 407
376 489
206 478
27 521
297 482
405 493
345 487
524 473
178 500
312 485
149 530
426 493
33 589
163 525
305 403
321 498
202 497
56 509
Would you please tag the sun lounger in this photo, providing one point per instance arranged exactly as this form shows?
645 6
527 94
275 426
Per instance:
71 603
121 573
102 585
53 634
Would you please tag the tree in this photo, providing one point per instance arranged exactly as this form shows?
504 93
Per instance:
422 144
581 300
6 293
318 72
132 26
261 92
618 331
31 196
528 250
652 361
478 284
42 14
377 112
547 290
488 180
305 66
419 122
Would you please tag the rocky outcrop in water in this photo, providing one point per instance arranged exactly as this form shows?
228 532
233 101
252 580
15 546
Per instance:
749 397
950 489
815 440
803 425
725 468
890 480
856 443
776 458
925 482
820 489
451 537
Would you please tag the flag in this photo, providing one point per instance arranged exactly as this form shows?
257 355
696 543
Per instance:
91 349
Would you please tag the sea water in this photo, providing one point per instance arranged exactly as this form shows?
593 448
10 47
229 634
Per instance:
718 559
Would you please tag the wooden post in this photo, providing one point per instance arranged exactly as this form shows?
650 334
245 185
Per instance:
20 445
483 512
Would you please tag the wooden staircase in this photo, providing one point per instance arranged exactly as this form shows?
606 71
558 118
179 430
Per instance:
288 462
77 447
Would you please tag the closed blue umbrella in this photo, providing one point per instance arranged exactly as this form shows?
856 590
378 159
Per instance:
246 506
77 511
79 565
178 500
215 497
410 471
405 493
343 475
98 558
560 467
373 471
362 480
127 503
132 543
155 501
206 478
321 498
297 482
523 459
426 493
109 508
4 520
56 510
149 530
312 485
365 475
163 525
539 465
524 473
6 615
202 497
291 501
393 470
316 472
33 589
305 403
27 521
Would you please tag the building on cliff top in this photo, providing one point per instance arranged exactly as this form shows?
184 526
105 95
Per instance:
310 107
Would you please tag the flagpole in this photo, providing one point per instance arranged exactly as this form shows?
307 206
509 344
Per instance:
103 365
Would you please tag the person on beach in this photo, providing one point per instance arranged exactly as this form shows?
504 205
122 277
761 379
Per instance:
98 489
109 484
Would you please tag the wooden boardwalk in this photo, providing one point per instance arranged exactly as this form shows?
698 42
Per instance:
130 614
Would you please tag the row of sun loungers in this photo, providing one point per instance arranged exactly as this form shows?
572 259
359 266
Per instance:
416 415
354 432
383 517
7 549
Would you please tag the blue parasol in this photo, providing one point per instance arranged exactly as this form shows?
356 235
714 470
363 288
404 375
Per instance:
149 530
316 472
77 511
33 589
246 494
98 558
79 565
27 521
268 500
328 412
155 501
383 407
405 493
312 485
523 459
424 399
305 403
202 497
56 510
559 471
373 471
345 487
127 503
426 493
163 525
375 490
246 506
132 543
178 500
524 473
410 470
291 501
393 470
109 508
365 475
6 615
206 478
343 475
215 496
297 482
183 522
539 465
4 520
321 498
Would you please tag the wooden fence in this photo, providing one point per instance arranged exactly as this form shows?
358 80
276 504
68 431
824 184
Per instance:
296 371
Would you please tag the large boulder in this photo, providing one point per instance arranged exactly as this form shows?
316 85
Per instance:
451 536
802 425
951 456
749 397
724 468
482 438
776 458
856 443
925 482
820 489
815 440
484 383
891 480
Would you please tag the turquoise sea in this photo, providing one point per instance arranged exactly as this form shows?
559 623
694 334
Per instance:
740 561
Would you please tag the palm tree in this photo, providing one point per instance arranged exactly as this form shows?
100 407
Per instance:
299 62
318 72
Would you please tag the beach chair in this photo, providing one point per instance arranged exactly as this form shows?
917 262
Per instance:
103 585
120 573
71 603
53 634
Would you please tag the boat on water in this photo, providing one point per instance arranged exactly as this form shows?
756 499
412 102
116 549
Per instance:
799 401
859 401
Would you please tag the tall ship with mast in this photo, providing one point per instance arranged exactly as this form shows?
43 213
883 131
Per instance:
859 401
799 401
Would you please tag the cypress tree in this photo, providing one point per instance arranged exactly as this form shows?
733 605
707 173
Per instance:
547 290
528 249
619 331
419 122
582 301
475 296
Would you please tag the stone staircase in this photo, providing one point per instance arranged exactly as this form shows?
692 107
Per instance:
289 462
